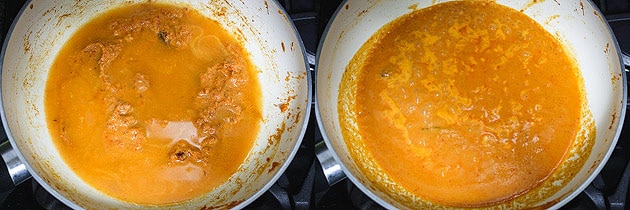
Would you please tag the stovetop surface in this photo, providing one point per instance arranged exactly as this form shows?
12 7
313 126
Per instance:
303 186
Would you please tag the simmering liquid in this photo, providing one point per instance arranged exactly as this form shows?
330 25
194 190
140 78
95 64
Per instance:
153 104
465 103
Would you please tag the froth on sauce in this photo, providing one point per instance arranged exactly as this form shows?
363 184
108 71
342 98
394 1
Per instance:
464 103
153 104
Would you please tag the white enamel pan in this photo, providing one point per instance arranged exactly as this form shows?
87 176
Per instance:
42 28
578 25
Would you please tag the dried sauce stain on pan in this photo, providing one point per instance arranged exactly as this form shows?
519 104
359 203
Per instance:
268 165
530 4
30 75
612 121
218 11
267 6
363 12
33 107
581 8
28 82
52 9
296 119
551 18
224 206
27 44
60 19
274 165
598 16
596 163
284 106
277 136
224 195
243 24
58 183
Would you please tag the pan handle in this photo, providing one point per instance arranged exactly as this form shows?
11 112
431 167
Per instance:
12 170
332 169
626 60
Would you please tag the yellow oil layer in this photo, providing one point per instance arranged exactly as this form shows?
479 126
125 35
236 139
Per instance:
465 103
153 104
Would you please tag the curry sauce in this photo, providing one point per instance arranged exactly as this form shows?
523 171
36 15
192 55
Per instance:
464 103
153 104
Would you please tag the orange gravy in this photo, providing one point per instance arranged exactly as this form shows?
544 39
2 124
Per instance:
463 103
153 104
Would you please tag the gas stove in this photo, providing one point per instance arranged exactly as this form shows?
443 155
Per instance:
303 185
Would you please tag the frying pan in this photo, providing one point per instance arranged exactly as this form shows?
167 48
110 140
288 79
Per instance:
42 28
580 28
